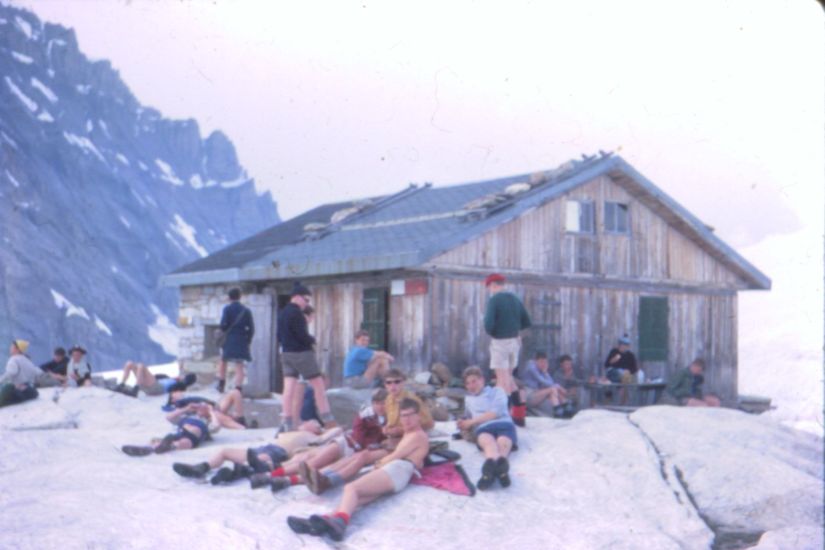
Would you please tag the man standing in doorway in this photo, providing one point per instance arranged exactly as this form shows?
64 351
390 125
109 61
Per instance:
299 358
504 318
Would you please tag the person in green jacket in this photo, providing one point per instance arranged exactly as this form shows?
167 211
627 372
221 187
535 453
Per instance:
504 318
685 387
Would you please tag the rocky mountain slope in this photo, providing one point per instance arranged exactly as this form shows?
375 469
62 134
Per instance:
100 196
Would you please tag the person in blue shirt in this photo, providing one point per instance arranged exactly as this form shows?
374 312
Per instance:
363 364
543 392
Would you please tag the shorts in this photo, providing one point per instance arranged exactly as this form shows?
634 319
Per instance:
195 438
276 453
357 382
504 353
301 363
161 386
400 472
343 446
620 376
499 428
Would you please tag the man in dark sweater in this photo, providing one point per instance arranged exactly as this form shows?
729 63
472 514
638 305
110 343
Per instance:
238 326
621 363
55 369
298 358
504 318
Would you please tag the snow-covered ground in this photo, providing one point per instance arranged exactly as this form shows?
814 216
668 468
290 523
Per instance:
602 480
781 331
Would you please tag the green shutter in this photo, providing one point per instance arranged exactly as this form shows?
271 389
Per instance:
375 316
653 329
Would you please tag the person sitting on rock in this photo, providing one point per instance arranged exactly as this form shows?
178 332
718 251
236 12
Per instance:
55 370
394 383
571 379
363 365
391 475
543 392
685 387
196 423
152 384
17 382
79 371
492 426
258 459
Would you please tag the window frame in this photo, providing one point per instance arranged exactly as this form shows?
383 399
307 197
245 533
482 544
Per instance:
581 204
611 216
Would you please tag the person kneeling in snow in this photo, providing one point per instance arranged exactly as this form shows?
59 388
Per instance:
17 383
259 459
491 423
152 384
196 422
391 475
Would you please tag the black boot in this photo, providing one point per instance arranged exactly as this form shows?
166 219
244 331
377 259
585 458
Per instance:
301 526
333 526
502 471
488 472
191 470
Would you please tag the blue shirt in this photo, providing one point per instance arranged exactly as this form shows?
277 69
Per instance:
535 379
489 400
356 361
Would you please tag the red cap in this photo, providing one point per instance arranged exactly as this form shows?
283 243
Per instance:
494 278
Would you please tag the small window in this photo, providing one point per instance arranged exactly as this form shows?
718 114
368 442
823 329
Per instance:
615 218
580 218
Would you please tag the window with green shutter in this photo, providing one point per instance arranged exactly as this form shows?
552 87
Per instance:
376 317
653 329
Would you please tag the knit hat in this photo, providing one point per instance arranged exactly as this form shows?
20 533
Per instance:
624 340
494 278
21 345
300 290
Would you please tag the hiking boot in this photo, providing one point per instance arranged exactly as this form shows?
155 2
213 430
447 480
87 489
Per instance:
242 421
220 386
191 470
241 471
488 472
258 480
301 526
502 471
165 444
224 475
332 526
137 450
258 466
315 481
278 484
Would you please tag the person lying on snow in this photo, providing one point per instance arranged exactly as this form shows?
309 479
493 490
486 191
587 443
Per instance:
391 475
196 423
260 459
492 426
152 384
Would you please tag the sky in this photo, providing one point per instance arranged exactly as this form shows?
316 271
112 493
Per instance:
720 105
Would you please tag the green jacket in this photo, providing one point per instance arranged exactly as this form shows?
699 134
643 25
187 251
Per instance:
680 384
505 316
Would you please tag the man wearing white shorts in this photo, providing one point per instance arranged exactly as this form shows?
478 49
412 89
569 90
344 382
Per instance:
392 473
504 318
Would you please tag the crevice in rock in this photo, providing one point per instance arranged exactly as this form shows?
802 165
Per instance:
724 538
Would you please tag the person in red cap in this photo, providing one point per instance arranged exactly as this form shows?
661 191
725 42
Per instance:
504 318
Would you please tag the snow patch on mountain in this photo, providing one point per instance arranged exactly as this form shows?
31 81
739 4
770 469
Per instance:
164 332
84 143
103 327
187 233
45 90
30 104
62 302
25 59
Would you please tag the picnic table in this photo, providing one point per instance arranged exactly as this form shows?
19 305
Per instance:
610 395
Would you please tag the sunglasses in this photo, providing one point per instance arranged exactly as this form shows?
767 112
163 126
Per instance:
392 382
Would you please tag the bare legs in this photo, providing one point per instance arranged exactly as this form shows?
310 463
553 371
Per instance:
494 448
364 490
143 377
